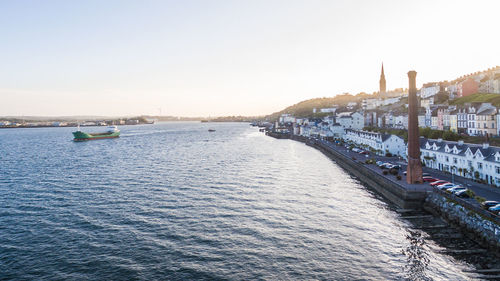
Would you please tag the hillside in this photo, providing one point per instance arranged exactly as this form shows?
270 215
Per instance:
305 108
494 99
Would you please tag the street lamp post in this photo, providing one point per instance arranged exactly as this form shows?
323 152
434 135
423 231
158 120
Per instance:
453 174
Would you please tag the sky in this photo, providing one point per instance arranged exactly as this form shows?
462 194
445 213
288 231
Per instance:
218 58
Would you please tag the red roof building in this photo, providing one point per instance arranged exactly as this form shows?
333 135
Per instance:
467 87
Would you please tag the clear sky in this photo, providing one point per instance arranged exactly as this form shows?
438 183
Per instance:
212 58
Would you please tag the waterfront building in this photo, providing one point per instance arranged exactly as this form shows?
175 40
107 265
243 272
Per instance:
380 122
490 83
429 90
351 120
337 130
351 105
370 118
421 118
389 101
471 120
461 120
440 113
377 142
446 118
453 119
486 120
467 87
328 110
388 120
451 89
466 160
434 119
400 121
286 118
370 104
428 117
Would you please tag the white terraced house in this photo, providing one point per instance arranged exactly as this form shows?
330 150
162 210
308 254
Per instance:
466 160
382 143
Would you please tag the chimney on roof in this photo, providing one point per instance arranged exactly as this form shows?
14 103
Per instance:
486 145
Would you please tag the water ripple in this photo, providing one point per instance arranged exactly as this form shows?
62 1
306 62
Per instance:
172 201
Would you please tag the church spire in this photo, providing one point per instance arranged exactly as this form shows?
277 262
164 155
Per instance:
382 82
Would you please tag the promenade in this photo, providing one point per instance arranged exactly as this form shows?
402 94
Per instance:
484 190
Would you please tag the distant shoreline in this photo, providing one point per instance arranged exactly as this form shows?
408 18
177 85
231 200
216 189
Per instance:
76 125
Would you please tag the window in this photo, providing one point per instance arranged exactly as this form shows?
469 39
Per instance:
455 160
447 159
480 166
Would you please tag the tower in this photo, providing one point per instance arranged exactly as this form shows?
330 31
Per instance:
382 82
414 169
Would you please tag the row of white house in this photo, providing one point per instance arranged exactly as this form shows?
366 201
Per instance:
480 162
377 142
466 160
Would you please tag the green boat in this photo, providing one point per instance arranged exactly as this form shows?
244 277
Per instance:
111 133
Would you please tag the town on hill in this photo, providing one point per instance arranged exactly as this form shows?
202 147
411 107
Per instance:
459 123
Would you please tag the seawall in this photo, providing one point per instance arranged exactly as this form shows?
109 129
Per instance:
484 227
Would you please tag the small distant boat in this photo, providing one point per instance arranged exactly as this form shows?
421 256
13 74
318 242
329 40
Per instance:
111 133
211 130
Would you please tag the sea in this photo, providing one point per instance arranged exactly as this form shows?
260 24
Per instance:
173 201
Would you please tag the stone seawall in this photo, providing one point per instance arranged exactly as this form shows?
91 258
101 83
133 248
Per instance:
397 194
483 228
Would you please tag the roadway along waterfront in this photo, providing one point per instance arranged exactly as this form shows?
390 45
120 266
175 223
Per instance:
487 191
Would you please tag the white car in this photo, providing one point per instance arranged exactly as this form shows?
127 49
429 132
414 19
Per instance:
445 186
456 188
495 208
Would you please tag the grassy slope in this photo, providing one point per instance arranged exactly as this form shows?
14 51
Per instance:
494 99
305 108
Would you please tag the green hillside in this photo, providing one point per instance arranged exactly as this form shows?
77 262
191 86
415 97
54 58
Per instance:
305 108
494 99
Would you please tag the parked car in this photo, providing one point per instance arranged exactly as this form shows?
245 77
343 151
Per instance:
397 167
495 208
455 188
385 165
445 186
487 204
462 194
364 152
438 182
429 179
379 163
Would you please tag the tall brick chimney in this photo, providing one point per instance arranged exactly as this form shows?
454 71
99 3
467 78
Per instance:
414 170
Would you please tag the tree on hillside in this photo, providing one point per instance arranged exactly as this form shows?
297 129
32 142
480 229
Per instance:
436 134
441 98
